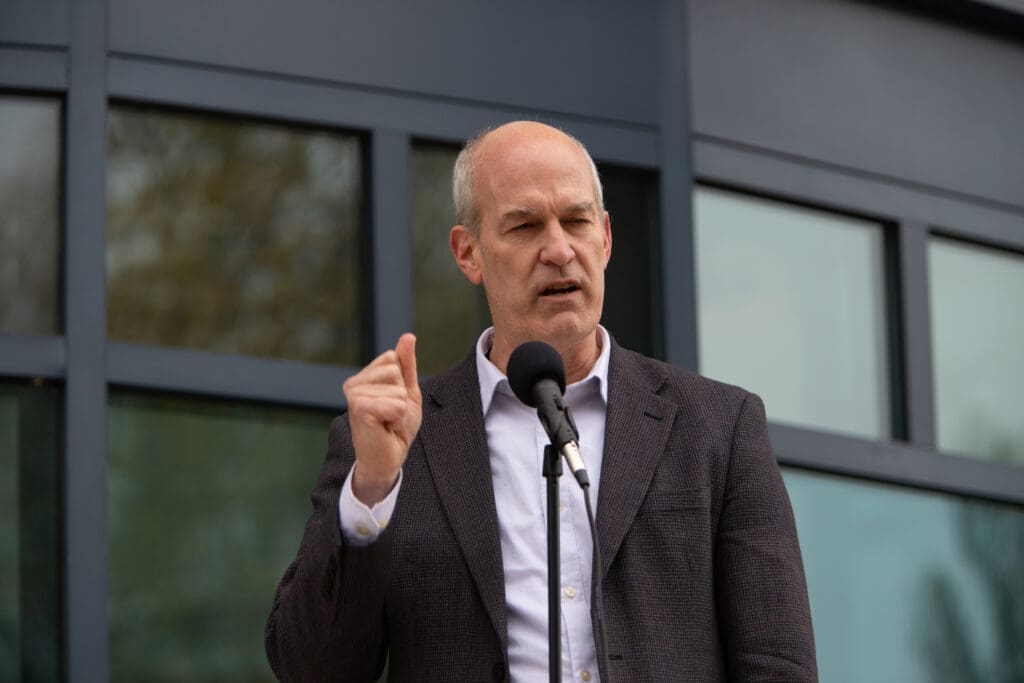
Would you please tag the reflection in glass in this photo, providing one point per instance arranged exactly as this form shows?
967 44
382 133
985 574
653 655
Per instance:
908 586
792 306
29 532
977 312
233 236
451 313
206 508
29 198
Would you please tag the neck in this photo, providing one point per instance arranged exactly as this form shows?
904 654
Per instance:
579 357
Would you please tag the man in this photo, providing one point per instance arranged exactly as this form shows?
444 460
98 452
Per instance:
426 545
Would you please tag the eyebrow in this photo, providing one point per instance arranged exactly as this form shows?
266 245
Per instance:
521 213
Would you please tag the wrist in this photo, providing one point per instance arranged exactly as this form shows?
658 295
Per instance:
372 487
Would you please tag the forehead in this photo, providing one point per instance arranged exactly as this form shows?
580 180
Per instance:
525 170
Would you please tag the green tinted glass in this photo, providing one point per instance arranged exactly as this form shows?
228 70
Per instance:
207 503
910 586
30 149
791 305
233 236
29 533
977 312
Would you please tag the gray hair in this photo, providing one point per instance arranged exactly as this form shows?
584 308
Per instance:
467 212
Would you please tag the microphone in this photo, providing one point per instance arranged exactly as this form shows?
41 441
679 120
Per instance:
537 377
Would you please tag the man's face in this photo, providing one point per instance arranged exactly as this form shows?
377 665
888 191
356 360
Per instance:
543 243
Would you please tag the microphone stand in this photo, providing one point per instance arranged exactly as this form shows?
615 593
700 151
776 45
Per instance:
552 471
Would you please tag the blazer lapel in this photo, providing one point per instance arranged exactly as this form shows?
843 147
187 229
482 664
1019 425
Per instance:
455 448
637 426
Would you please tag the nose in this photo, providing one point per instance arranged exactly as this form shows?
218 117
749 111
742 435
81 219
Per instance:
556 249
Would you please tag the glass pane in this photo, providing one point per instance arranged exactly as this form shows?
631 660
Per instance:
451 313
909 586
977 311
233 236
792 306
29 197
29 531
207 505
632 297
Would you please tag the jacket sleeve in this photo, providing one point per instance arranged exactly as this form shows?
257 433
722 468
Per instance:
761 592
328 618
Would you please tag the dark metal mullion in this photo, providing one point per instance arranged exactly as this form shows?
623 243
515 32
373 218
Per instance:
860 193
24 68
678 264
918 389
390 211
85 549
228 376
338 105
897 463
31 355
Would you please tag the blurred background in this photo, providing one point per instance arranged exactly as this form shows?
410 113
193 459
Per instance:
212 213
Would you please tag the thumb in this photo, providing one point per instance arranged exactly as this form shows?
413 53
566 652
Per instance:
406 351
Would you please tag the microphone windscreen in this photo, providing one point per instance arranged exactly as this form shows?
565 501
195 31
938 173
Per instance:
530 363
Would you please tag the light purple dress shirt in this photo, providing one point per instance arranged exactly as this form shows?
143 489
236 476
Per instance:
516 443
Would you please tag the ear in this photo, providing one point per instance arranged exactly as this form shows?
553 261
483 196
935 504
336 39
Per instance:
607 238
466 252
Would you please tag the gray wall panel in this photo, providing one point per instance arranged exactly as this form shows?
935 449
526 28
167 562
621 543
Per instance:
865 87
594 58
322 103
35 22
33 68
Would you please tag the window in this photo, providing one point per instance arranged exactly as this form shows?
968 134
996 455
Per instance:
29 532
450 313
910 586
977 312
233 236
30 195
792 306
207 503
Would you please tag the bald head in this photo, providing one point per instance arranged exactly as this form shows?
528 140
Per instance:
490 147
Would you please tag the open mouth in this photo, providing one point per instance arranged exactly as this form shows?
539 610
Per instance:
560 290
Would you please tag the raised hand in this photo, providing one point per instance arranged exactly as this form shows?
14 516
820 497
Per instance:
385 409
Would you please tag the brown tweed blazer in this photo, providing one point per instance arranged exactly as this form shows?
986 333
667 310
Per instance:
702 574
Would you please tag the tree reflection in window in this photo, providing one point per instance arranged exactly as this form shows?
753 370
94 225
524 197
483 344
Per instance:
29 207
233 236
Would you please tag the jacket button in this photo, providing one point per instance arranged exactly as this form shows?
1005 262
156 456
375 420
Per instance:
498 671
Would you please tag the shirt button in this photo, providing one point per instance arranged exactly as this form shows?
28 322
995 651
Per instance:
562 506
362 530
585 675
570 592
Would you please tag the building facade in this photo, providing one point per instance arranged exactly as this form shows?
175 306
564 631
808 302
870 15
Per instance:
211 214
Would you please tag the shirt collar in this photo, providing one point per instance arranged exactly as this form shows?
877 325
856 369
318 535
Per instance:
492 379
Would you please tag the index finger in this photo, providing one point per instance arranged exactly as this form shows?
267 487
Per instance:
406 350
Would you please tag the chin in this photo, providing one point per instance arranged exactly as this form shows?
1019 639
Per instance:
566 329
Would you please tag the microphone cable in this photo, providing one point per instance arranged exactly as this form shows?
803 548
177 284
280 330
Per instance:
596 595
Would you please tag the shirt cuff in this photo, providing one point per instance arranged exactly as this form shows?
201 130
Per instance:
361 525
